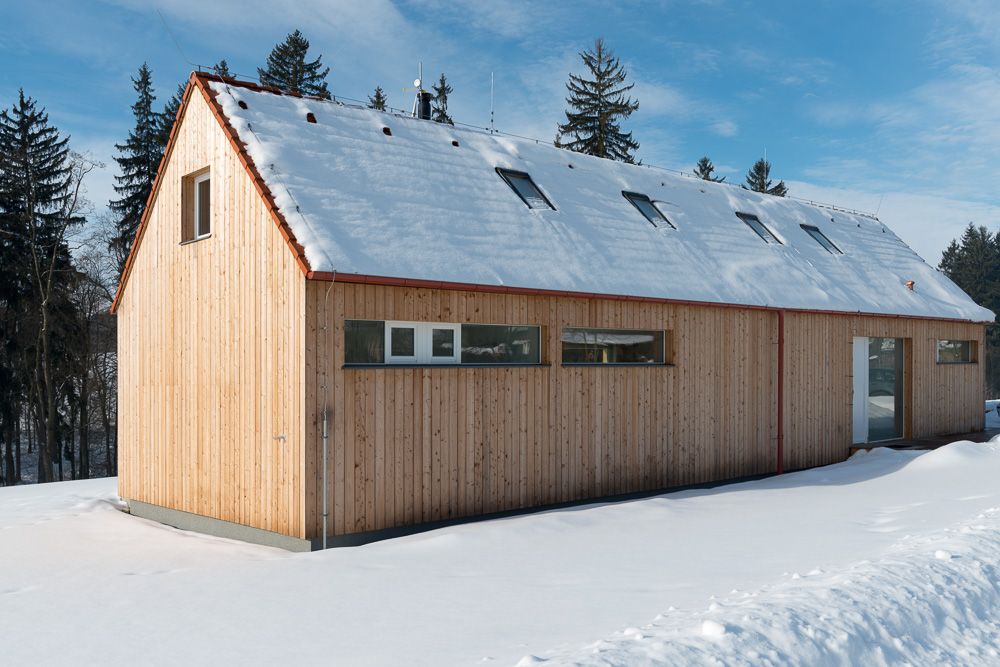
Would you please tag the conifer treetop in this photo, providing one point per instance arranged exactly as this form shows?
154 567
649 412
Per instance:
165 120
32 161
138 160
439 110
288 69
597 104
758 178
378 100
704 170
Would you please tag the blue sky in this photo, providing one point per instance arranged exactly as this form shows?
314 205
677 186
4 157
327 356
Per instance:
871 105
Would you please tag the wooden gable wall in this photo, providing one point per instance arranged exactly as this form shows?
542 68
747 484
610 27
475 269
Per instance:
211 336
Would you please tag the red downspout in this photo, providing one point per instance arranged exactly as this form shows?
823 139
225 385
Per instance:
781 391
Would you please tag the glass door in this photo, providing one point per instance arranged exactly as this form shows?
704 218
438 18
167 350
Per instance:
885 389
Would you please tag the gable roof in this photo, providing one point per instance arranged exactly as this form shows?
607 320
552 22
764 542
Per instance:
380 197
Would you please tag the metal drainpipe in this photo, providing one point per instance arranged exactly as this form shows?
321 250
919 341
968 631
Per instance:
326 402
781 391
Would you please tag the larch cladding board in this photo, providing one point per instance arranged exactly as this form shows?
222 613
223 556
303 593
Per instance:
415 445
211 381
412 445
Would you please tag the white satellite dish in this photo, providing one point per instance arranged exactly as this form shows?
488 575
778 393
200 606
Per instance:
416 83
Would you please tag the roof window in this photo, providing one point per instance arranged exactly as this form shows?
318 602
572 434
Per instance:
525 188
822 240
755 224
648 209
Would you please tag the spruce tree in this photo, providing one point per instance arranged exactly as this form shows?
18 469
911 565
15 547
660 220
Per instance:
759 180
165 120
973 263
138 160
704 169
221 68
39 195
288 69
379 100
439 110
598 103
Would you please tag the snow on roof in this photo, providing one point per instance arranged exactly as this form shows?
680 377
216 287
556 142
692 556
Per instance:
425 201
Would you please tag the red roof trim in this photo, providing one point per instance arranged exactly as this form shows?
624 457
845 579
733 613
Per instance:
529 291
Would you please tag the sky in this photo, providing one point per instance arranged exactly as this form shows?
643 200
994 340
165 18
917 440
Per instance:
884 107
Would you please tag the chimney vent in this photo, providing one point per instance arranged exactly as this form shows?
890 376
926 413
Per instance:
310 117
910 284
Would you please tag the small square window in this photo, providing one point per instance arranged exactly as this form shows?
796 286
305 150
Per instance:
822 240
648 209
525 188
755 224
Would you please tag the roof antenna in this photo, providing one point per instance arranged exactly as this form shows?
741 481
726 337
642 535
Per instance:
175 42
880 206
492 129
418 84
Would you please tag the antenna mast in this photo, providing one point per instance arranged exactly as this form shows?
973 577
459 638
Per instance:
492 130
419 85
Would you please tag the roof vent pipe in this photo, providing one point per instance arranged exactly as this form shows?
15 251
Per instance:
910 283
424 107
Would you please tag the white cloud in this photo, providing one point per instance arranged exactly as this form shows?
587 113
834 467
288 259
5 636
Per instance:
662 99
981 16
725 128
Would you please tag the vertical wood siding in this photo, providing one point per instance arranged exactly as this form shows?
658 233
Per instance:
211 340
940 398
411 445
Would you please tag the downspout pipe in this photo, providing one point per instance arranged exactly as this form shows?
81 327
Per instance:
326 404
781 391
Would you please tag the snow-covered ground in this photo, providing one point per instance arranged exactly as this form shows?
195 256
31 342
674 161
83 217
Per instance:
888 558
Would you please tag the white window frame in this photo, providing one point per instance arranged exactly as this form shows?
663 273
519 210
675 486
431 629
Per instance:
423 340
197 222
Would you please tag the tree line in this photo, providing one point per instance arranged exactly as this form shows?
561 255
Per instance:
58 366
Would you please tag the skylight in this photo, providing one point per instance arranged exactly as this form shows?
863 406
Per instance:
648 209
525 188
755 224
822 240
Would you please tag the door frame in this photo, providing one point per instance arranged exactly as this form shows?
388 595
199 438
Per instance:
861 385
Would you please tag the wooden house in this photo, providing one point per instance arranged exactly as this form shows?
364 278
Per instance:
339 323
